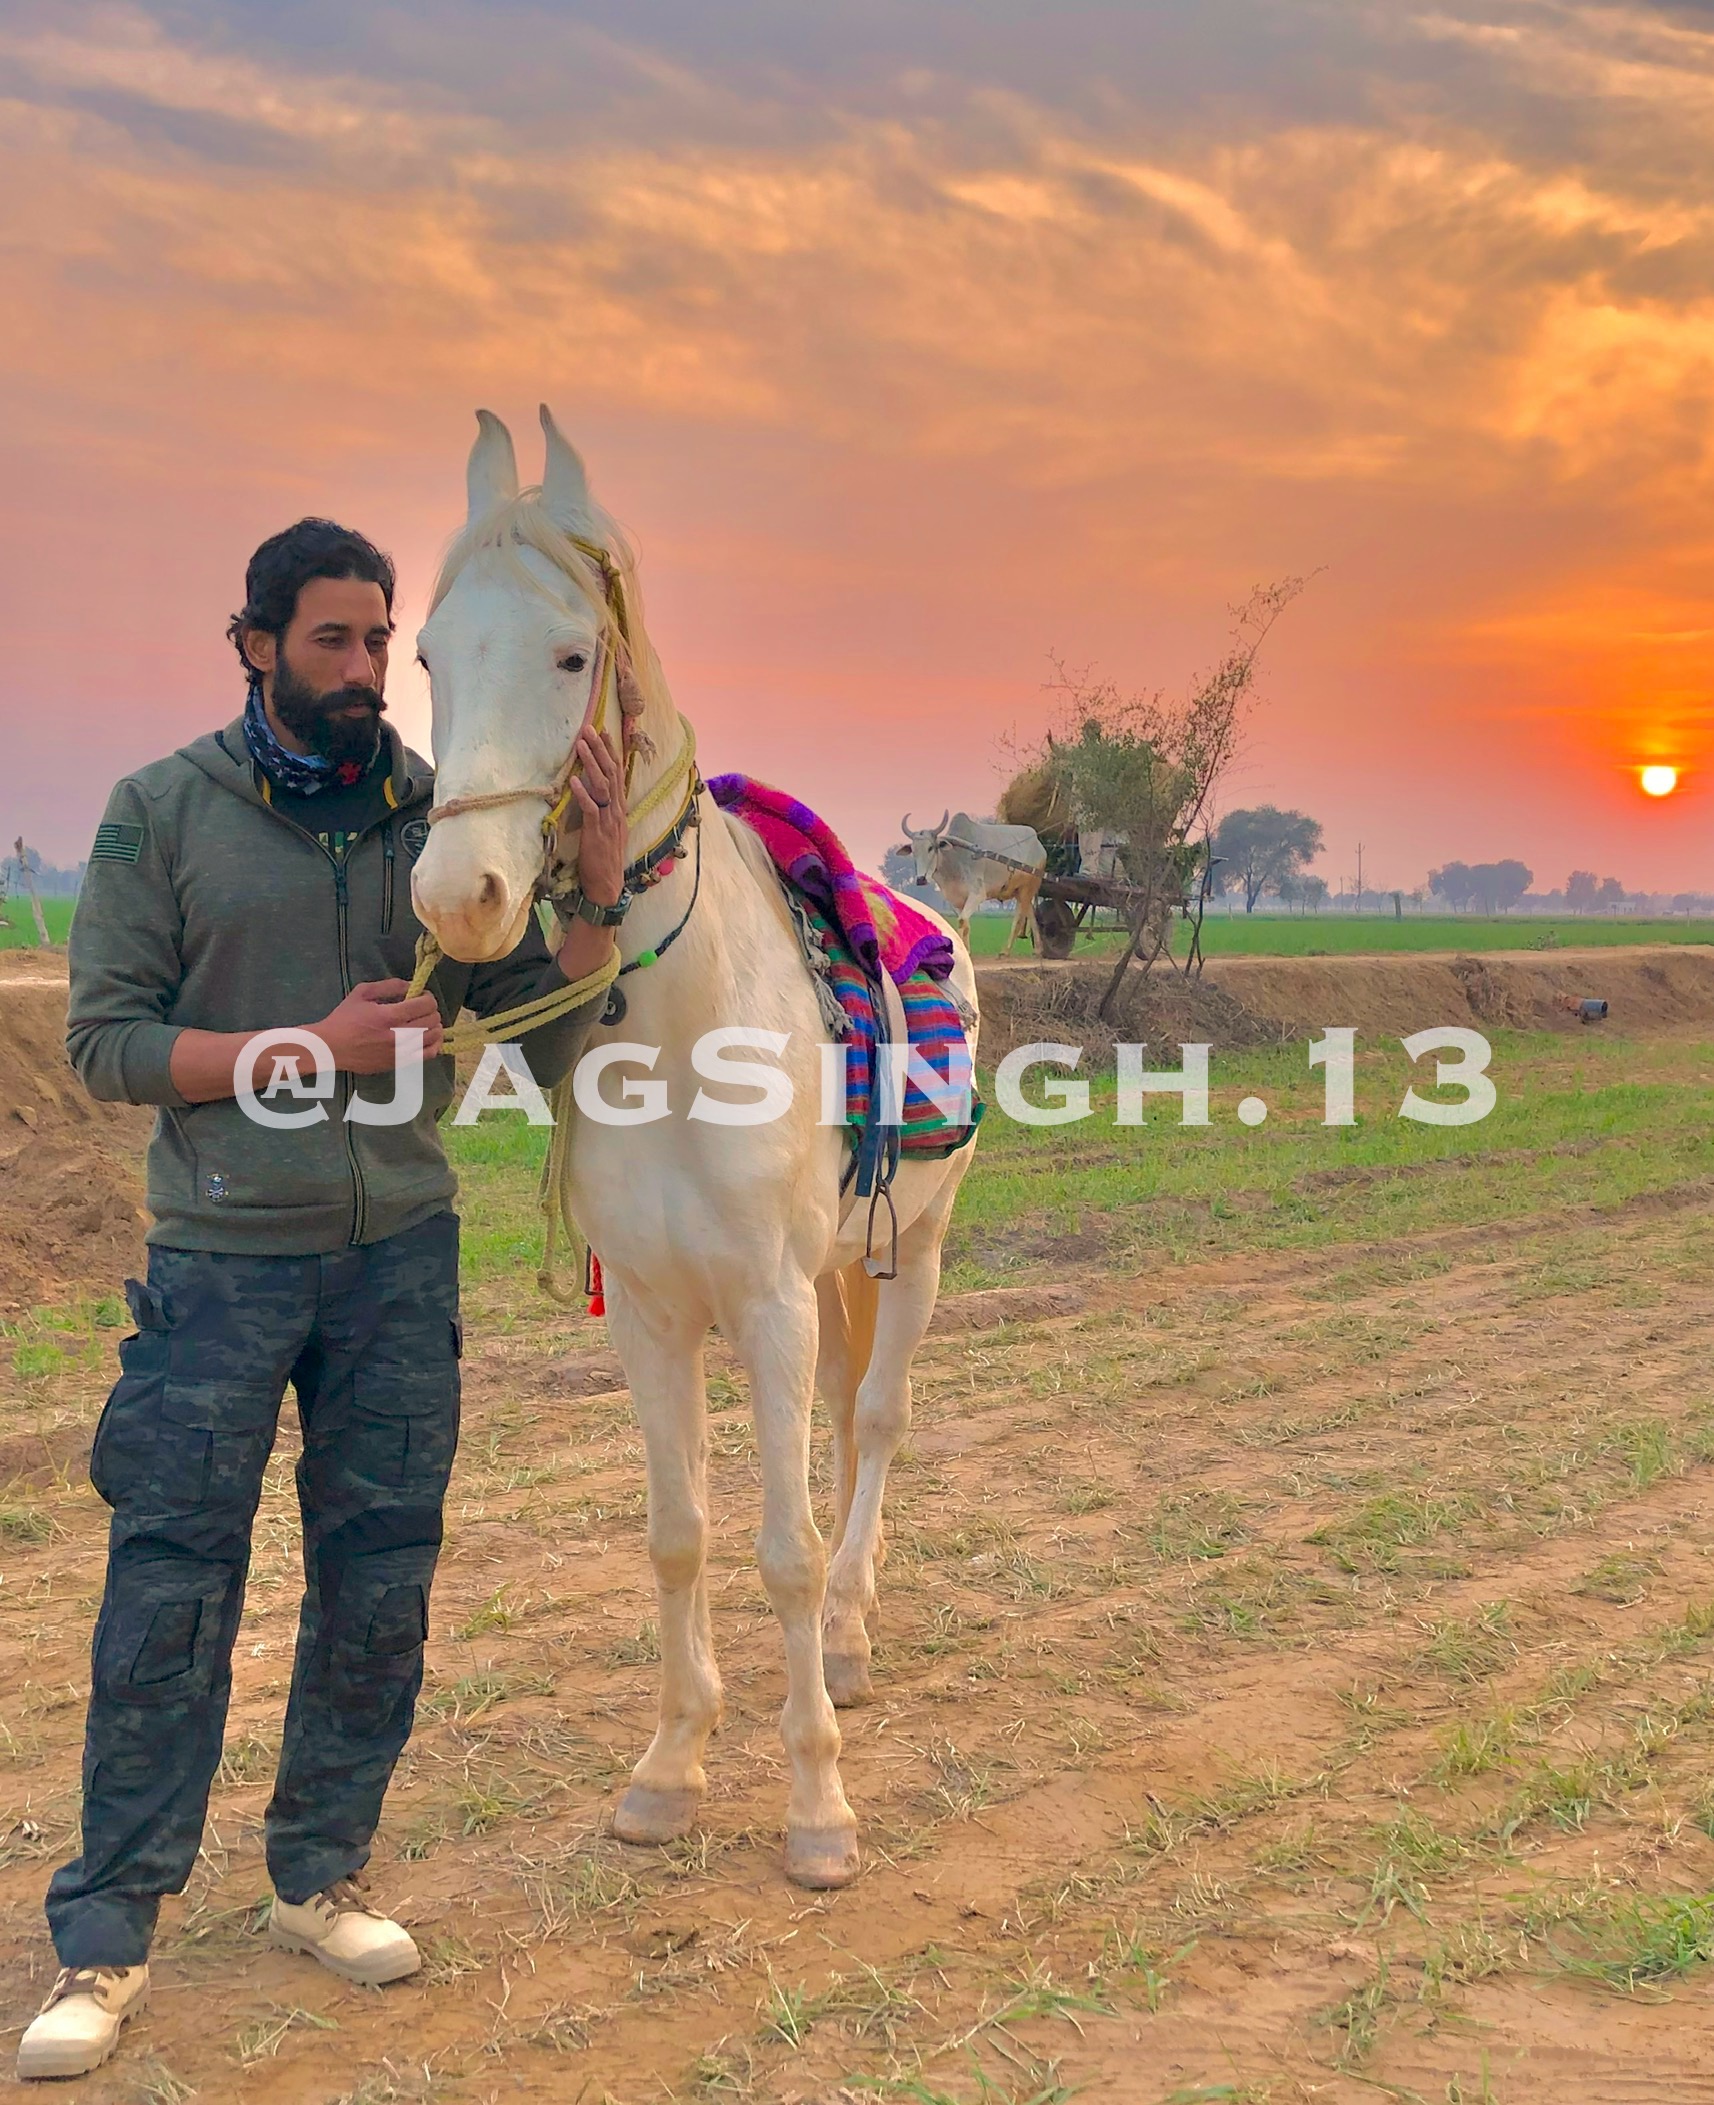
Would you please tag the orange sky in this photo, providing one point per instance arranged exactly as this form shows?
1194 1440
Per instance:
913 344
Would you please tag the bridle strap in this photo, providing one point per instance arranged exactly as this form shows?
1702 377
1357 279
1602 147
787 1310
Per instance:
604 700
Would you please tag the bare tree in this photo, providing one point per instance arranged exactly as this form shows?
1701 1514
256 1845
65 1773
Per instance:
27 874
1147 770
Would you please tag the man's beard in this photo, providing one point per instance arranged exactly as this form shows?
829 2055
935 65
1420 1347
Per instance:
313 720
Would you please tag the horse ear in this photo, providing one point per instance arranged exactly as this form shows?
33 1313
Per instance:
492 476
565 484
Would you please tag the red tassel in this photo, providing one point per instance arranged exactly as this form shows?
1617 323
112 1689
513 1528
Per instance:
597 1299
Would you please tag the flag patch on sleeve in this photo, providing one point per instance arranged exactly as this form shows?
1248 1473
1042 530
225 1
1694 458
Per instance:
115 843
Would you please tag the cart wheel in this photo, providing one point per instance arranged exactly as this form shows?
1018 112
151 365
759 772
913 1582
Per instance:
1056 928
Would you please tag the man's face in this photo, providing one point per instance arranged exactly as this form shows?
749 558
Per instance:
323 682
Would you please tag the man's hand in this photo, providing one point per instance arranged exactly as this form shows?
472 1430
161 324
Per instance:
359 1033
600 797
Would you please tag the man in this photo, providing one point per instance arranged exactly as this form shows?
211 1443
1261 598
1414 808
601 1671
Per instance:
260 878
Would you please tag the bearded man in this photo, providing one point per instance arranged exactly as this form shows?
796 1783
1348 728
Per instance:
259 879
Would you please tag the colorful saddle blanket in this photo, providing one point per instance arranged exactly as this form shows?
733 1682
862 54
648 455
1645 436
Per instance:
861 929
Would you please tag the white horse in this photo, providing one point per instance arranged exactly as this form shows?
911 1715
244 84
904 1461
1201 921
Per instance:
696 1221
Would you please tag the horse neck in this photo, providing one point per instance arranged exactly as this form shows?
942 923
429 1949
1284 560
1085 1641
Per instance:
734 961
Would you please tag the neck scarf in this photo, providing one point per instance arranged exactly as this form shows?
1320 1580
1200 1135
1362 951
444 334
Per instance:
302 774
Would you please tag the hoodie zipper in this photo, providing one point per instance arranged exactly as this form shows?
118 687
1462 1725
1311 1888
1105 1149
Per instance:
359 1197
342 907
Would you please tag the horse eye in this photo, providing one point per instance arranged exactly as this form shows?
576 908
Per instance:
575 662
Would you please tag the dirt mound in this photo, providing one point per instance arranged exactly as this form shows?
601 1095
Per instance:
71 1187
1029 1004
1648 987
1241 1001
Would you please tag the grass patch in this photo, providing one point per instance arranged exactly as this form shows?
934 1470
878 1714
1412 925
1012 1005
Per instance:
1470 1648
1643 1940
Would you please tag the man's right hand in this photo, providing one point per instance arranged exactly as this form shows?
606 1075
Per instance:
359 1033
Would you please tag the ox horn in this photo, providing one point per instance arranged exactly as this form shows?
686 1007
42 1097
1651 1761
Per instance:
905 824
944 817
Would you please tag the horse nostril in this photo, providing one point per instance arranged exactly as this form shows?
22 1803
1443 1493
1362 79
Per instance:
493 891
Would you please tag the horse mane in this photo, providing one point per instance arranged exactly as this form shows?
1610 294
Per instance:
752 851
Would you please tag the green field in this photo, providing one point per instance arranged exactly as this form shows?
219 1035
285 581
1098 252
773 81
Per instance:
1344 935
1579 1121
1236 935
18 923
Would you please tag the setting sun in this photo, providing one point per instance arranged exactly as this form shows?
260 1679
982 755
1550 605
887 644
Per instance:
1659 781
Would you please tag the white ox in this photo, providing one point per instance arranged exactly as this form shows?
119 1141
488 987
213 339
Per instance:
972 861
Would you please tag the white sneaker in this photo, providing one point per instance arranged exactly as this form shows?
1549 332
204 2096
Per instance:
78 2026
346 1934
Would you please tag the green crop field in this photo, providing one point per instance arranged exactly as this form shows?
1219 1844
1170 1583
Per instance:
1223 935
18 923
1345 935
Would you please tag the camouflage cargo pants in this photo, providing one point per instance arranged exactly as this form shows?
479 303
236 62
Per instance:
369 1339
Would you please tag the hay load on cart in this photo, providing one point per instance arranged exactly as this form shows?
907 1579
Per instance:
1145 770
1085 875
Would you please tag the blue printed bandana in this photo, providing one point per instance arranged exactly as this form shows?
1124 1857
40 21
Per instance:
300 773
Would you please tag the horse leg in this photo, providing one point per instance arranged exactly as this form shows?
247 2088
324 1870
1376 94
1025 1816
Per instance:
883 1417
661 1351
838 1370
777 1341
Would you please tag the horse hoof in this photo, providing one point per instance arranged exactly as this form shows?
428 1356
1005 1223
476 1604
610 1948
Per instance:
643 1815
821 1858
847 1677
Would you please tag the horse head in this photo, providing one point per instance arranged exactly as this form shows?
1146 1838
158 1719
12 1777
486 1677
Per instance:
513 647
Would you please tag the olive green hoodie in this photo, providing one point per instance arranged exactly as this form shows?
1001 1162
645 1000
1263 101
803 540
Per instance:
203 908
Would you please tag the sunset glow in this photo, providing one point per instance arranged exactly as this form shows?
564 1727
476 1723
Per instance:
914 348
1659 781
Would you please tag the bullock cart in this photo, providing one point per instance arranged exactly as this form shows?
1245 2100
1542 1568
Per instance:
1064 904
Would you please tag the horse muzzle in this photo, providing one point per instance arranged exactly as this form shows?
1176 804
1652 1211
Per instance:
470 892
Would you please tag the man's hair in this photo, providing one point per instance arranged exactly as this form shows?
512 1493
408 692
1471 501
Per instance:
285 563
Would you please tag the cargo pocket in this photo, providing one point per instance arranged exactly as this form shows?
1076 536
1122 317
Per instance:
155 1650
404 1427
399 1624
377 1667
213 1443
123 1447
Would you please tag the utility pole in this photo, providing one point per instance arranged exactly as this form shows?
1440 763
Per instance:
29 877
1359 877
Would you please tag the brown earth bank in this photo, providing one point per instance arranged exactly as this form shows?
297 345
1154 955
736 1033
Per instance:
71 1189
1240 1001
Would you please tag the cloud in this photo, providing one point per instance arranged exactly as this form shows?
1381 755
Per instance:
1442 301
1336 301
